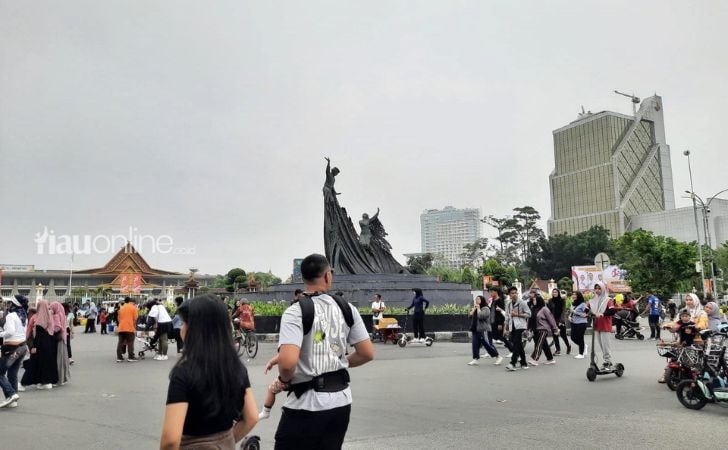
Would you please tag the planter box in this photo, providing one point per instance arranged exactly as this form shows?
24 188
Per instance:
433 322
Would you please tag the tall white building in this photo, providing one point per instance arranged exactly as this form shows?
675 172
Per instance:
446 231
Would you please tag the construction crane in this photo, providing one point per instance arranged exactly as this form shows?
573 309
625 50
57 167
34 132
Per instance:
635 100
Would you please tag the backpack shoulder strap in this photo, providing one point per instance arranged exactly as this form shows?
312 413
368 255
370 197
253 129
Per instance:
345 309
307 313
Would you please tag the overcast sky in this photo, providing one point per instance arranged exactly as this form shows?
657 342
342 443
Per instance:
209 121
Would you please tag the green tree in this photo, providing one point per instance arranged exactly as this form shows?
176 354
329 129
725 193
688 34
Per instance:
420 264
266 279
445 274
472 255
566 284
655 263
560 252
505 275
236 278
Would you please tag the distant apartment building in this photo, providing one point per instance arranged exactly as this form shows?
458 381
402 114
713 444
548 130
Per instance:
446 231
610 167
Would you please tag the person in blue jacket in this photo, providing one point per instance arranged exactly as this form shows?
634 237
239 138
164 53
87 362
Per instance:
420 304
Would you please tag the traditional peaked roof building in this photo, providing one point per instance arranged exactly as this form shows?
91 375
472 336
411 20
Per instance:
126 273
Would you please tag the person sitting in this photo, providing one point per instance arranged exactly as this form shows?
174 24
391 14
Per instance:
244 316
686 328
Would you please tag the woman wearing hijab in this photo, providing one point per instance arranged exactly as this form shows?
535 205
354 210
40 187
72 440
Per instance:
603 309
557 304
60 331
43 350
713 312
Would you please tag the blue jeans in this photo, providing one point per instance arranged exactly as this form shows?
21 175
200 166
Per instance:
480 339
10 364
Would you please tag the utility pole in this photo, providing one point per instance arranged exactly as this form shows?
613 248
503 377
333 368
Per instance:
697 226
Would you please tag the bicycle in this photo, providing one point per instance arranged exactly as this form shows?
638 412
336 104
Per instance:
246 341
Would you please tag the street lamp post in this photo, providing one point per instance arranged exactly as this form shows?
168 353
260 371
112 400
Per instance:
706 224
697 227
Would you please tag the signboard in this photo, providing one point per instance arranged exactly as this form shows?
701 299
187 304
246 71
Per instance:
137 283
16 268
585 277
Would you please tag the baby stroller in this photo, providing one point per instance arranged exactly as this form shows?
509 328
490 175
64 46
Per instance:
627 325
147 346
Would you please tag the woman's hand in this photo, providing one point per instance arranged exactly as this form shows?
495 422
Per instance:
32 351
269 365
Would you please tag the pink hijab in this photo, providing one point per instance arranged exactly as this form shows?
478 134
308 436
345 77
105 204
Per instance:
59 319
43 317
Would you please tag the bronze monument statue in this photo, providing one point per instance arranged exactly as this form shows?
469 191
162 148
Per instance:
348 252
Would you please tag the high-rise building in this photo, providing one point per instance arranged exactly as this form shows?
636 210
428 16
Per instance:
445 232
608 168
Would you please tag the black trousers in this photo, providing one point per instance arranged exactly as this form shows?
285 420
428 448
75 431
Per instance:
68 343
518 350
498 334
577 335
541 345
562 334
301 429
175 334
418 324
654 322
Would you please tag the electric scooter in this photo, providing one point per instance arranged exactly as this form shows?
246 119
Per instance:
711 386
594 369
404 339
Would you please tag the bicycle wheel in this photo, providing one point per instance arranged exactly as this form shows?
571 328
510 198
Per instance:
251 344
238 344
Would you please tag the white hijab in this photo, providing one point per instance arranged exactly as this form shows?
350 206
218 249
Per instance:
598 304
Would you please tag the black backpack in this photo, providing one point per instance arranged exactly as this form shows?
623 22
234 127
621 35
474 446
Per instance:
308 311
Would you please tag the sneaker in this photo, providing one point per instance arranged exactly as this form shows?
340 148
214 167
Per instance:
119 360
45 386
510 354
12 405
6 402
607 364
511 368
549 362
21 388
525 367
71 362
264 414
473 362
557 353
579 357
158 358
165 357
532 362
498 361
132 359
15 397
662 380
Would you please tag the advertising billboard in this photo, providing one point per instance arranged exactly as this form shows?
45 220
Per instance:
585 277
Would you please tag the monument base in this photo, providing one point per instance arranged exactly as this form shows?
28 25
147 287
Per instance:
395 289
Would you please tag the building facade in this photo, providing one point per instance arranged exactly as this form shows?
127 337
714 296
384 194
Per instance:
445 232
679 223
126 274
610 167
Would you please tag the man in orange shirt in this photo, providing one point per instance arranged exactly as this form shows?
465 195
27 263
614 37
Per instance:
127 318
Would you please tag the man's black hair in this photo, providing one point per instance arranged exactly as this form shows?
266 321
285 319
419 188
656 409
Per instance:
313 266
379 296
512 288
297 291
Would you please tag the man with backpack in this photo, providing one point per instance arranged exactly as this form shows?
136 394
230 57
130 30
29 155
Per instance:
312 362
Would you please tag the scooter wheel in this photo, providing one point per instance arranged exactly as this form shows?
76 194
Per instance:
428 342
640 336
591 374
619 370
402 343
690 395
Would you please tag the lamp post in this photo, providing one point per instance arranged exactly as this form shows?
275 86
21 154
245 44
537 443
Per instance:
697 227
706 224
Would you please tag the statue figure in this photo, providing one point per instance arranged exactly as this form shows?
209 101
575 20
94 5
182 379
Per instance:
347 251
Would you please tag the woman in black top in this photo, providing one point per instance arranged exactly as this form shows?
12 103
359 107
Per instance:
557 305
209 401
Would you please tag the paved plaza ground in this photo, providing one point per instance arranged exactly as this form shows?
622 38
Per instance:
418 398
